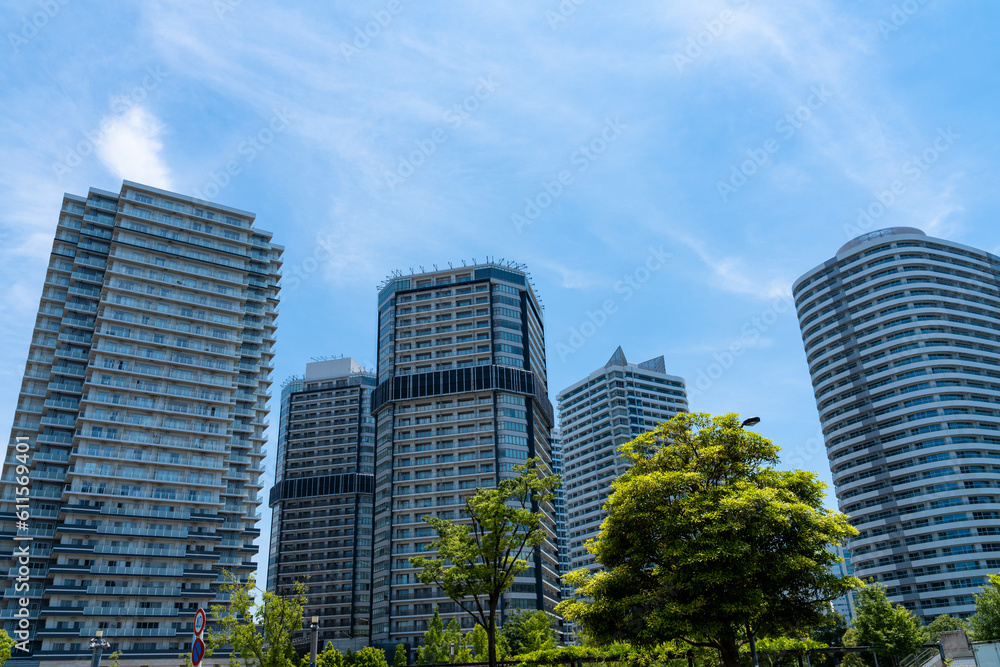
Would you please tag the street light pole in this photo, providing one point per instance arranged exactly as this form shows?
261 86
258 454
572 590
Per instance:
97 645
315 639
751 422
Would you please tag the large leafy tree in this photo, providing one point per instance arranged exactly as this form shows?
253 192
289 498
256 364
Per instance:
527 631
985 622
260 633
477 560
893 630
705 541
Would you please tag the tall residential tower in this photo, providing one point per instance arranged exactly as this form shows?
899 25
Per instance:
902 338
322 502
143 410
461 400
609 407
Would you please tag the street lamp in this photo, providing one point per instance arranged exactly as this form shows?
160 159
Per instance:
97 645
315 638
751 422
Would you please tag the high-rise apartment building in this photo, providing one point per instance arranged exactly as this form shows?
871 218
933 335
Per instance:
322 499
609 407
461 400
141 418
567 632
902 338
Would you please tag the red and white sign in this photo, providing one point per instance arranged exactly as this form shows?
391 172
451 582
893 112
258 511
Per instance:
198 644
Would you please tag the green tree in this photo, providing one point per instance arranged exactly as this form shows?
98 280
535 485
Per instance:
7 644
399 659
985 623
260 633
453 635
831 633
878 624
480 642
435 648
370 656
831 630
527 631
477 561
946 623
706 541
330 657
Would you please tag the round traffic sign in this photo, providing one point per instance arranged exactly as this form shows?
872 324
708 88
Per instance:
197 651
199 621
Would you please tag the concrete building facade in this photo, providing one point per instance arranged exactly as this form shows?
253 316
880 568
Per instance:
140 423
609 407
902 337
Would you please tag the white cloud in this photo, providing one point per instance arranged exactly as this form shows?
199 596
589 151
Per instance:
131 148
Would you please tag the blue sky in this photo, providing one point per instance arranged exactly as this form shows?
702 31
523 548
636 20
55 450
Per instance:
664 169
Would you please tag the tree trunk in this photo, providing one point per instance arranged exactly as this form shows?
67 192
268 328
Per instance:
729 652
491 633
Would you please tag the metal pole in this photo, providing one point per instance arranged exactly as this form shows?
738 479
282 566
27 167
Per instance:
875 655
753 648
315 640
98 644
690 655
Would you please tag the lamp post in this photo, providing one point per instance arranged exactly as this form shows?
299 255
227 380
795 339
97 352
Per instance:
97 645
314 626
751 422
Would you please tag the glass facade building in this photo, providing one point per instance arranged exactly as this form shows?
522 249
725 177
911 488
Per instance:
141 414
461 400
902 337
322 499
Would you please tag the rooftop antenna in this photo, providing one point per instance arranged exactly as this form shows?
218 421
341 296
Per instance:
463 262
411 270
435 266
473 261
450 266
422 270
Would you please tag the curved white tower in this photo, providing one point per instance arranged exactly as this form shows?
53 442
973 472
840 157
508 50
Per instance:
902 337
